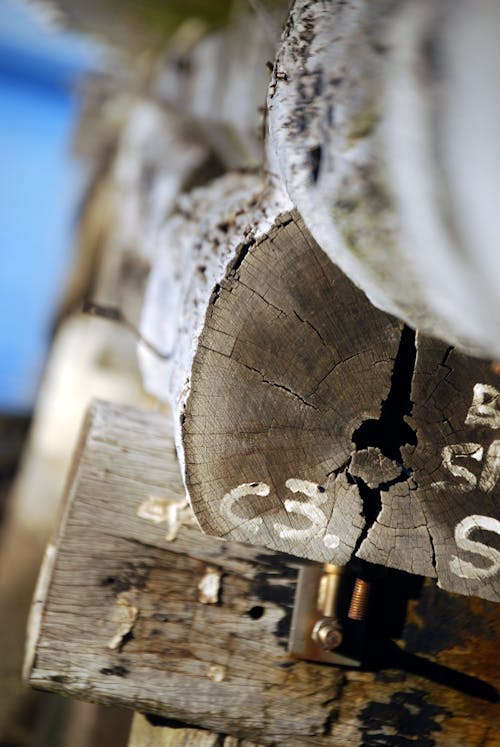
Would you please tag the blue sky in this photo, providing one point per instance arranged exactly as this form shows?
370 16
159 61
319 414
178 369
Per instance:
40 183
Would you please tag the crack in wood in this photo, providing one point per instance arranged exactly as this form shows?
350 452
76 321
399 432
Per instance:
290 391
389 433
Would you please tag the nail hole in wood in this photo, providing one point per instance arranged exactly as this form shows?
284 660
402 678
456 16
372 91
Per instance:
256 612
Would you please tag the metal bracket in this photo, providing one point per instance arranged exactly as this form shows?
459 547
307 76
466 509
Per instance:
327 621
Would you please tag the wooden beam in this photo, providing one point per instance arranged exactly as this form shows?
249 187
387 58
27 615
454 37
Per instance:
195 630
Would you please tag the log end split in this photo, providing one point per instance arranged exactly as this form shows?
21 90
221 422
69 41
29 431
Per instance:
321 427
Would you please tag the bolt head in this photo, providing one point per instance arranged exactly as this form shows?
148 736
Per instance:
327 633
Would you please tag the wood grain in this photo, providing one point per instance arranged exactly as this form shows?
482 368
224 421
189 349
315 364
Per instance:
292 360
224 666
320 426
449 502
370 127
147 733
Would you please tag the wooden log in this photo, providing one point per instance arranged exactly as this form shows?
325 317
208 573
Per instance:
305 419
291 361
219 81
122 618
150 160
205 233
374 111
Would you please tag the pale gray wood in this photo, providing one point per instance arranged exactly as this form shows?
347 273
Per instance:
237 678
208 230
219 81
374 113
145 734
224 666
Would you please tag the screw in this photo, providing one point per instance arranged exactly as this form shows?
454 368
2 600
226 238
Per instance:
327 633
359 600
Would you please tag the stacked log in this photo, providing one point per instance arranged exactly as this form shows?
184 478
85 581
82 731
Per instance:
332 417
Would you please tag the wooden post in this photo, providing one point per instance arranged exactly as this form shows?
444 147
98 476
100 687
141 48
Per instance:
195 630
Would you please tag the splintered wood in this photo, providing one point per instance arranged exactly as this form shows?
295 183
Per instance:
195 630
320 426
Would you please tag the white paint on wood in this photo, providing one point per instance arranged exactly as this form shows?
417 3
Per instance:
310 512
229 500
466 569
491 471
174 512
124 616
319 496
209 588
482 412
485 407
461 451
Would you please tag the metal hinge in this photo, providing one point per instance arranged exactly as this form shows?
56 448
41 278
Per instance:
329 613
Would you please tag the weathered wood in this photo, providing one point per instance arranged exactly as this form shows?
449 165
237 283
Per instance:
122 621
85 361
374 113
204 234
219 81
150 733
293 399
153 157
315 362
291 361
452 494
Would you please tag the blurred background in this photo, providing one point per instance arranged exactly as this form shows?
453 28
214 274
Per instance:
108 111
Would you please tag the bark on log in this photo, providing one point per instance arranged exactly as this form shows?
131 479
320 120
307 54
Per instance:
204 235
386 135
122 620
303 420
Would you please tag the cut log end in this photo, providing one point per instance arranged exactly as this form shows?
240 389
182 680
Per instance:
314 426
307 420
283 377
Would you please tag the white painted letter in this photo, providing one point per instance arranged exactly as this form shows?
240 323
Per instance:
459 451
228 501
485 407
491 471
463 568
308 509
